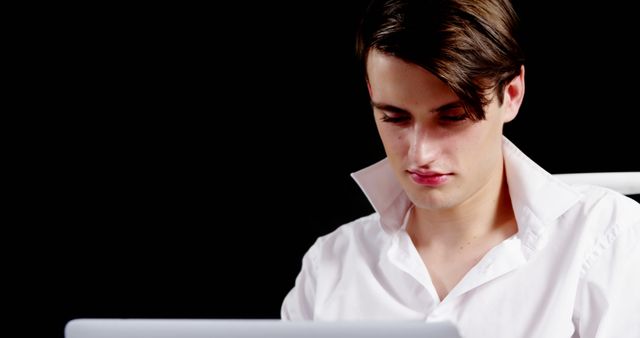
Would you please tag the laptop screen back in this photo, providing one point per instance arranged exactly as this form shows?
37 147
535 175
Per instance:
243 328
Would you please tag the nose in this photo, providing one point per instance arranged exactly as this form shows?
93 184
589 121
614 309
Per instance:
423 148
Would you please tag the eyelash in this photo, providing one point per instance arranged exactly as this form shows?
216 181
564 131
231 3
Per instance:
454 118
389 119
443 118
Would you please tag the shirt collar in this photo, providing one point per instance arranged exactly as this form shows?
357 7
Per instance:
379 184
533 188
537 197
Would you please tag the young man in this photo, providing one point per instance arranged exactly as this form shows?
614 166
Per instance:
467 228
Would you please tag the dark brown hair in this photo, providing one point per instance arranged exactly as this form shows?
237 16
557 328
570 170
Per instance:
470 45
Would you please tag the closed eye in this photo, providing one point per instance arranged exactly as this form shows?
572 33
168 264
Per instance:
454 117
390 113
394 119
452 113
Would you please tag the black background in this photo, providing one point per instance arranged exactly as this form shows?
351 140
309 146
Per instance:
189 155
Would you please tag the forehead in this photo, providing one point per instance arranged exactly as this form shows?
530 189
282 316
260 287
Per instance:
393 81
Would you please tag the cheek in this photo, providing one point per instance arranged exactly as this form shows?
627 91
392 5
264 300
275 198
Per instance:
480 146
393 139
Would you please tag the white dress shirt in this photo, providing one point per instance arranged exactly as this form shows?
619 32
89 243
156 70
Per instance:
571 270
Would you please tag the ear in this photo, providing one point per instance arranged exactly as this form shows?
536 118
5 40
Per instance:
513 95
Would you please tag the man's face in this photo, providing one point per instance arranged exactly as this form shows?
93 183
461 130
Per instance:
440 158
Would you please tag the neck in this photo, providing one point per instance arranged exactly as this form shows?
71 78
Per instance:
486 213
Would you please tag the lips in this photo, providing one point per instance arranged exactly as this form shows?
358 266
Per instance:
429 178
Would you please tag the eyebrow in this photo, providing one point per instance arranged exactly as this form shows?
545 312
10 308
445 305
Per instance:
398 110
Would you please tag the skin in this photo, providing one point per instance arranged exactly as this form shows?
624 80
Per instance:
455 223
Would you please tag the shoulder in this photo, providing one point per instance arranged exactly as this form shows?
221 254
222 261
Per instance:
605 207
360 227
610 224
361 237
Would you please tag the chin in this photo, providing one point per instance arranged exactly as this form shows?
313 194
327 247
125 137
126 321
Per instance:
432 200
433 205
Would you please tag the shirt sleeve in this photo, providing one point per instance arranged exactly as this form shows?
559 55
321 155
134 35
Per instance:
608 296
299 302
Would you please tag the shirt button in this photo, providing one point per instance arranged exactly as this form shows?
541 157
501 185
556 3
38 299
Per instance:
487 266
435 318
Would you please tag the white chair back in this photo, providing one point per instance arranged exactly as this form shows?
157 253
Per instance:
627 183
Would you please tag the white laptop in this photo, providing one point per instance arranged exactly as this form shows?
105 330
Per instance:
253 328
